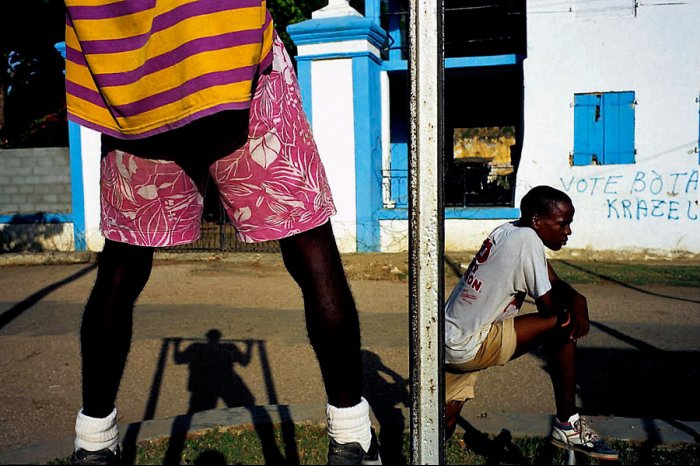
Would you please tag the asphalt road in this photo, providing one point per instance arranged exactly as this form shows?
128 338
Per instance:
641 358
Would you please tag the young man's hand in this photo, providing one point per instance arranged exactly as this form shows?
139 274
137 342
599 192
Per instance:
570 306
580 324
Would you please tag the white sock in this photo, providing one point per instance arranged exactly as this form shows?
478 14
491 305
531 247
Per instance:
574 417
93 434
347 425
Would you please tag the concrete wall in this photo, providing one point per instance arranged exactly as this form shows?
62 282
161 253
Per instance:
35 180
652 204
35 200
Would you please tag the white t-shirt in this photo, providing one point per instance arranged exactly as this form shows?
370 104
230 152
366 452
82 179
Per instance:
510 264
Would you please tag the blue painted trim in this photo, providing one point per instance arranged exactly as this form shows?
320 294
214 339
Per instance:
482 213
340 29
392 214
469 213
395 41
77 188
368 152
333 55
373 10
304 80
395 65
488 60
463 62
40 217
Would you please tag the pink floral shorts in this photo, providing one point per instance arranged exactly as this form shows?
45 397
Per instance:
272 187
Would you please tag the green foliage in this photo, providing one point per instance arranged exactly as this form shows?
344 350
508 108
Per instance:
243 446
286 12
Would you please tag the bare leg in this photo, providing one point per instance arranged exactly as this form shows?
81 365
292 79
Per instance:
105 333
535 330
452 411
313 260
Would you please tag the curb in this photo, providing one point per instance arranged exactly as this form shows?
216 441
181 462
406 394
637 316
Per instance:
658 431
82 257
47 258
520 425
159 428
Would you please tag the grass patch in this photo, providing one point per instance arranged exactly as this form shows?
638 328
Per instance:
243 446
587 272
599 272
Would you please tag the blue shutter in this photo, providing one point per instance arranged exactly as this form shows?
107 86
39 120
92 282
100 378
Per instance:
618 108
588 128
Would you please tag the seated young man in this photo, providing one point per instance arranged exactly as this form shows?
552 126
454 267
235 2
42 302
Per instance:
483 327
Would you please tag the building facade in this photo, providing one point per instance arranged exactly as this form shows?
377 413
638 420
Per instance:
598 99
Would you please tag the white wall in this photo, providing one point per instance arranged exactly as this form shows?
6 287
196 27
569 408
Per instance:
460 235
655 54
91 150
334 132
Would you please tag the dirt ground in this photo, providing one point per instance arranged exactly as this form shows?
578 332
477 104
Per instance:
640 359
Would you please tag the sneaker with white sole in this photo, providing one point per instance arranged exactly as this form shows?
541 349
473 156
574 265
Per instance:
353 453
576 434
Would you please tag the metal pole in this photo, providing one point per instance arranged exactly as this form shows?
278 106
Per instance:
426 231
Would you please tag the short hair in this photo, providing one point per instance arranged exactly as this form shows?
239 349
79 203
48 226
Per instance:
541 200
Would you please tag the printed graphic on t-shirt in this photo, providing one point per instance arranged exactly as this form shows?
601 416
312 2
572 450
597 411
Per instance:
470 278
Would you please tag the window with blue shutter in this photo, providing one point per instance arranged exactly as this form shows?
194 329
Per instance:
603 128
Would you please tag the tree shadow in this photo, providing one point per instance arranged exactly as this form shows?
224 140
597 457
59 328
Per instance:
642 384
37 232
15 311
383 396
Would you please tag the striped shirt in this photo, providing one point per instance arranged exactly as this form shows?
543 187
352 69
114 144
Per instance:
135 68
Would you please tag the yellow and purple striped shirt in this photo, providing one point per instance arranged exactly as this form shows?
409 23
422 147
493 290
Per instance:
135 68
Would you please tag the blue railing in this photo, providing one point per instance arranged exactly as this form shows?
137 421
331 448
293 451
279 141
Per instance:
395 184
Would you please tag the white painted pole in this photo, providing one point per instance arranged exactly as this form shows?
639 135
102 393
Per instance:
426 232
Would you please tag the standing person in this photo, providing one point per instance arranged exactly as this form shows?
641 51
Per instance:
483 328
180 90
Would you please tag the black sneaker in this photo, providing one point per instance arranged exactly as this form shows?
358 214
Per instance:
104 456
353 453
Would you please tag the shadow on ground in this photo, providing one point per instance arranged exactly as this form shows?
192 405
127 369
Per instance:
212 377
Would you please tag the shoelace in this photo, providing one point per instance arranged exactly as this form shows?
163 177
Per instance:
588 434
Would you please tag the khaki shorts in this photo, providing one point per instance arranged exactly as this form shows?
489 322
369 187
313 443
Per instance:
496 350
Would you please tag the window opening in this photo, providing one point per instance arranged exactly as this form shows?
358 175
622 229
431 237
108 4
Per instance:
481 172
